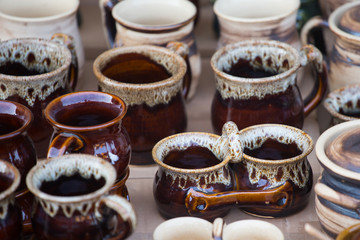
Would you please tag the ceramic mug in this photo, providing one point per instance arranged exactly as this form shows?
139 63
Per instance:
33 72
10 216
273 178
336 191
184 228
244 19
158 22
178 172
18 149
246 229
150 81
72 190
343 104
344 57
90 122
41 19
256 84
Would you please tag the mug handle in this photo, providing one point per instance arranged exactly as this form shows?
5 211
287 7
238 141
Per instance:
331 195
69 42
218 229
109 23
124 210
312 23
63 142
182 49
198 202
309 53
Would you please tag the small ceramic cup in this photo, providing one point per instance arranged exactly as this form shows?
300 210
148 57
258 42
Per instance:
184 228
150 81
246 229
33 72
72 200
90 122
41 19
256 84
158 22
245 19
343 104
10 216
174 181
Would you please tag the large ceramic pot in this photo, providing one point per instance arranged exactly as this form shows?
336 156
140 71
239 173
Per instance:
337 190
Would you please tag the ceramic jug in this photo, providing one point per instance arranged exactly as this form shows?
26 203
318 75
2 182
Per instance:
344 58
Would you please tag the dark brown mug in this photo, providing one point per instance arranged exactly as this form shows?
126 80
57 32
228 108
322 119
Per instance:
256 84
33 72
150 81
90 122
18 149
73 200
10 215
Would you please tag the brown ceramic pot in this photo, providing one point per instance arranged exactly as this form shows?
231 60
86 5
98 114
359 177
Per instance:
149 79
90 122
10 216
83 209
33 72
256 84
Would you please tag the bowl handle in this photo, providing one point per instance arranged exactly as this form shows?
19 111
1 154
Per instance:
341 199
198 202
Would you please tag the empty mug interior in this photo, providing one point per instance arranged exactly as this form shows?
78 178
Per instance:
154 13
256 59
14 119
184 228
31 57
85 109
37 10
249 10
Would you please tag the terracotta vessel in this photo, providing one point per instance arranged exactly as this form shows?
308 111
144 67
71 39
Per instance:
337 194
83 208
91 123
256 84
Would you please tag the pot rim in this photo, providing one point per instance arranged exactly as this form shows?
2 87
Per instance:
325 139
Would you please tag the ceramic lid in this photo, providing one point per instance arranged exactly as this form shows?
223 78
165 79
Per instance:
350 21
344 150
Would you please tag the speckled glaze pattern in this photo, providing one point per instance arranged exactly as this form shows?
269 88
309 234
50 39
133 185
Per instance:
41 19
273 99
342 101
59 211
176 182
179 27
261 174
10 216
252 22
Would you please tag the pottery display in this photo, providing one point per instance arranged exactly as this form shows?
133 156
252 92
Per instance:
337 194
150 81
344 57
256 83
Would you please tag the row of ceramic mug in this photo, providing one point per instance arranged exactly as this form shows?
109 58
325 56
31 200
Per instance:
71 190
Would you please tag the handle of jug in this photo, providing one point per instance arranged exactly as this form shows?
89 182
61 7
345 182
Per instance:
109 23
276 198
310 54
64 142
126 223
182 49
69 42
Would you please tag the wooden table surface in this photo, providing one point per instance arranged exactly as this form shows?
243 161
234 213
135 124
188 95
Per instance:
140 182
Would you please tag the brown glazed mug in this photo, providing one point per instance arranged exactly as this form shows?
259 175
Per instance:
10 216
33 72
273 179
90 122
150 81
256 84
174 179
18 149
72 200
